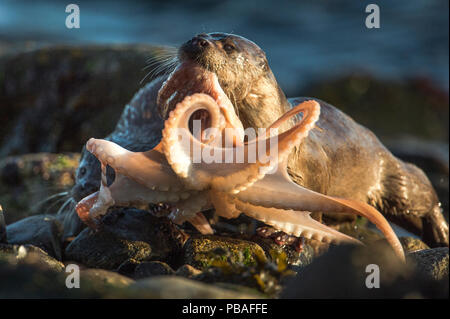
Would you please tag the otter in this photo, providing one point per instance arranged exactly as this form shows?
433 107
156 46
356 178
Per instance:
339 158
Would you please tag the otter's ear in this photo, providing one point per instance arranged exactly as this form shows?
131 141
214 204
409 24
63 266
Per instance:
263 64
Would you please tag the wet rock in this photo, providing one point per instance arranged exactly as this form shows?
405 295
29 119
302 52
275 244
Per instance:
175 287
360 231
124 234
2 227
104 278
54 99
201 251
344 271
411 244
30 255
30 280
432 263
187 271
28 272
36 184
295 259
128 267
43 231
152 268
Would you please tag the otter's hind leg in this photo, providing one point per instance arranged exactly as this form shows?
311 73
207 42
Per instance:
410 201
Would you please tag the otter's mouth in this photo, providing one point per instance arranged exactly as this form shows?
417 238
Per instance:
190 78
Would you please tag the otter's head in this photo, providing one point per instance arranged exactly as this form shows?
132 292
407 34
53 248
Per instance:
236 61
241 69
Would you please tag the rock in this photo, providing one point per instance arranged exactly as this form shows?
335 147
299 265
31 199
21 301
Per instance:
3 239
152 268
295 259
432 262
54 99
411 244
343 272
30 280
187 271
360 231
175 287
36 184
124 234
201 251
104 278
28 272
43 231
128 267
30 255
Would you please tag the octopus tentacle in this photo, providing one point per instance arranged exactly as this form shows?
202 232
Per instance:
187 209
200 222
279 191
297 223
235 176
147 168
224 208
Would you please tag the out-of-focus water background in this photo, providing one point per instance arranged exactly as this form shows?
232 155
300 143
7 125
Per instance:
304 40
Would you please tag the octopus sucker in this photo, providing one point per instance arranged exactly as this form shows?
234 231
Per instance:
297 223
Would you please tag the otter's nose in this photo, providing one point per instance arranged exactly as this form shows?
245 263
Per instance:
200 41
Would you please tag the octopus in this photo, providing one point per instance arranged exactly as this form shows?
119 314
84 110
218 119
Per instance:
206 160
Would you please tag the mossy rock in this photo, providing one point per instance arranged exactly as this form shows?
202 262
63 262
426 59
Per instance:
203 251
411 244
126 234
35 183
432 262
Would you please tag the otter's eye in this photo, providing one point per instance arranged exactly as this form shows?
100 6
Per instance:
229 48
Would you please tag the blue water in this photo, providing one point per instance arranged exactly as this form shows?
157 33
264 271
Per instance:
304 41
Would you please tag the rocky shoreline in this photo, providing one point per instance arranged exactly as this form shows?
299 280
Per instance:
52 100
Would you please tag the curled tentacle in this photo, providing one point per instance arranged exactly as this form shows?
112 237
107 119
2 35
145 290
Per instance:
232 169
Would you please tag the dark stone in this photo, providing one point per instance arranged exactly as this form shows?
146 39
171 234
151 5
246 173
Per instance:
28 272
104 278
175 287
124 234
152 268
31 255
432 263
43 231
128 267
341 273
187 271
3 238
